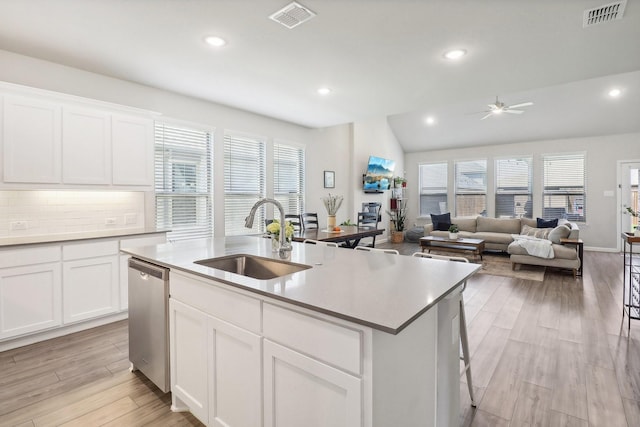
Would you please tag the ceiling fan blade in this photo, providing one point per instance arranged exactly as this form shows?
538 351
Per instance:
524 104
509 110
488 115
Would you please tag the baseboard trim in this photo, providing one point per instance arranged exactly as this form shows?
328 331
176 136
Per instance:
597 249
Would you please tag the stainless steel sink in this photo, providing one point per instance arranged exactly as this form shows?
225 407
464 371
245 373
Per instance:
253 266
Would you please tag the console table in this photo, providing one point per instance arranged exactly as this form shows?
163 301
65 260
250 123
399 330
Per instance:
631 278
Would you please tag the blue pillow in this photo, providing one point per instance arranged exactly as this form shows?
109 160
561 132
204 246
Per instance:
441 222
552 223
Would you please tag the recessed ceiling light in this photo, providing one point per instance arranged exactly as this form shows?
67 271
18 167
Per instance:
455 54
614 93
215 41
430 120
324 91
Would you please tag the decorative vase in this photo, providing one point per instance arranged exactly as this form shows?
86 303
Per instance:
453 236
331 222
397 236
275 242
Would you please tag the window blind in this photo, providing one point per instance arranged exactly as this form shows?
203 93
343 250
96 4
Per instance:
564 192
471 188
244 182
183 170
433 188
514 188
288 177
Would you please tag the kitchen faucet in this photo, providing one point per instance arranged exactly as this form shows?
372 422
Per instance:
285 249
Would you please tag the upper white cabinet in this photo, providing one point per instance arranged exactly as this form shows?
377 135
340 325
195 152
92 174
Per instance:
86 146
32 140
132 145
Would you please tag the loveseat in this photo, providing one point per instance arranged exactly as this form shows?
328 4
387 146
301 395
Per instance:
497 234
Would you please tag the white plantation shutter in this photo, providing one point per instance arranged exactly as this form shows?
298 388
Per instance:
183 170
433 188
514 188
244 182
564 187
288 177
471 188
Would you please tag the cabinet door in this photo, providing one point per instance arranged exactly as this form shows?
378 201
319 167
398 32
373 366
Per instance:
32 140
132 148
188 350
235 396
90 288
300 391
124 282
30 299
86 146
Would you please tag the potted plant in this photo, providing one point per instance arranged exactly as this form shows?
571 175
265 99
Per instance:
398 218
332 204
453 232
635 214
274 230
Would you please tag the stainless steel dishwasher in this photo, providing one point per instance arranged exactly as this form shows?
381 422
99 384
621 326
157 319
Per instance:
149 321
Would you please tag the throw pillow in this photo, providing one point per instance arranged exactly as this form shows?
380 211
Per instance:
560 232
540 233
441 222
541 223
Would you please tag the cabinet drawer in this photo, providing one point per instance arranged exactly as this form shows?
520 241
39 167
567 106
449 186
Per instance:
335 344
92 249
28 256
227 305
134 242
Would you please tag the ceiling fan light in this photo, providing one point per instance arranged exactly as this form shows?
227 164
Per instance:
455 54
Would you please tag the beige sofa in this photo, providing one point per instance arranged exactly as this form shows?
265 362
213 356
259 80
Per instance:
496 232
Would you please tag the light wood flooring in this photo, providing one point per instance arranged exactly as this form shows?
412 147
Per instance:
552 353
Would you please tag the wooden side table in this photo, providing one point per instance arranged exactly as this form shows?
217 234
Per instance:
579 244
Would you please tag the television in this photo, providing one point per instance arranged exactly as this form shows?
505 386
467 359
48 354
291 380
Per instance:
379 174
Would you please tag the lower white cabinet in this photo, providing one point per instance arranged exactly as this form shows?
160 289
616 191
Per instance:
301 391
30 299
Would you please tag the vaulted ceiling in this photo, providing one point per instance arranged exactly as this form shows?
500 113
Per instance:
378 57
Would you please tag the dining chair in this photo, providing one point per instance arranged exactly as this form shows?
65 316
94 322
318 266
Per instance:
309 220
464 339
321 243
295 221
370 249
369 218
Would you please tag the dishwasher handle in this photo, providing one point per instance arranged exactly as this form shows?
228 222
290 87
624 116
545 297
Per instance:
146 268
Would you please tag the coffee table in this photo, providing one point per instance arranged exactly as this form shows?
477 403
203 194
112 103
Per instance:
458 245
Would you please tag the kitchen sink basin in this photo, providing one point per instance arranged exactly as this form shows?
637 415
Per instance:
253 266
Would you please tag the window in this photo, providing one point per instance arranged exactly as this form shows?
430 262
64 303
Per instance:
288 177
564 187
183 170
471 188
244 182
514 188
433 188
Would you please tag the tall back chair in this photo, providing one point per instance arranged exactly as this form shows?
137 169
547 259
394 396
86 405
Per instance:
370 217
309 220
295 221
321 243
464 340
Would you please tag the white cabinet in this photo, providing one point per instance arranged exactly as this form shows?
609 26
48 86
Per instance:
132 148
30 290
32 140
188 342
86 146
301 391
91 280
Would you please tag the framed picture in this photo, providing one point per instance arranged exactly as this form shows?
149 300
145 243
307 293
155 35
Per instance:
329 179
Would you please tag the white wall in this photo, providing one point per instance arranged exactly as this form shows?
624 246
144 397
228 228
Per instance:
602 153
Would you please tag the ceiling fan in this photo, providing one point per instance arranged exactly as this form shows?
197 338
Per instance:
500 107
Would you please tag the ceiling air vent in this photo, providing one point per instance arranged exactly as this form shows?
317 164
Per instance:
292 15
606 13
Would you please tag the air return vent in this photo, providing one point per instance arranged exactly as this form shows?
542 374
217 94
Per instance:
292 15
606 13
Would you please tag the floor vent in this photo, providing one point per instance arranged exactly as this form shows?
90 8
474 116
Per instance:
606 13
292 15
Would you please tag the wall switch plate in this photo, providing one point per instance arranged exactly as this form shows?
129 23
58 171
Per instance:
130 218
109 221
19 225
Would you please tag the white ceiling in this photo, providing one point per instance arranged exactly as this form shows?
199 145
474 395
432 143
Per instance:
380 57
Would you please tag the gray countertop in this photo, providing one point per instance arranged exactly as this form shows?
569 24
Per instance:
383 291
68 237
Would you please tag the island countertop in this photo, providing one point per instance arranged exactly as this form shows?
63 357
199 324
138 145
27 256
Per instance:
383 291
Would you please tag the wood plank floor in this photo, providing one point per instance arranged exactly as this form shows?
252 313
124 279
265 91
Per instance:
552 353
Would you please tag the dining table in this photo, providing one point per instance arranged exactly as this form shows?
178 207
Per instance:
349 235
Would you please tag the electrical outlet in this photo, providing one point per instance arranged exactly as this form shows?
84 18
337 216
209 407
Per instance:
19 225
109 221
130 218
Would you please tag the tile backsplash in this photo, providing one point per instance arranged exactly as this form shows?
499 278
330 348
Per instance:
42 212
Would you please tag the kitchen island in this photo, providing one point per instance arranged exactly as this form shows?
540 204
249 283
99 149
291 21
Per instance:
357 339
